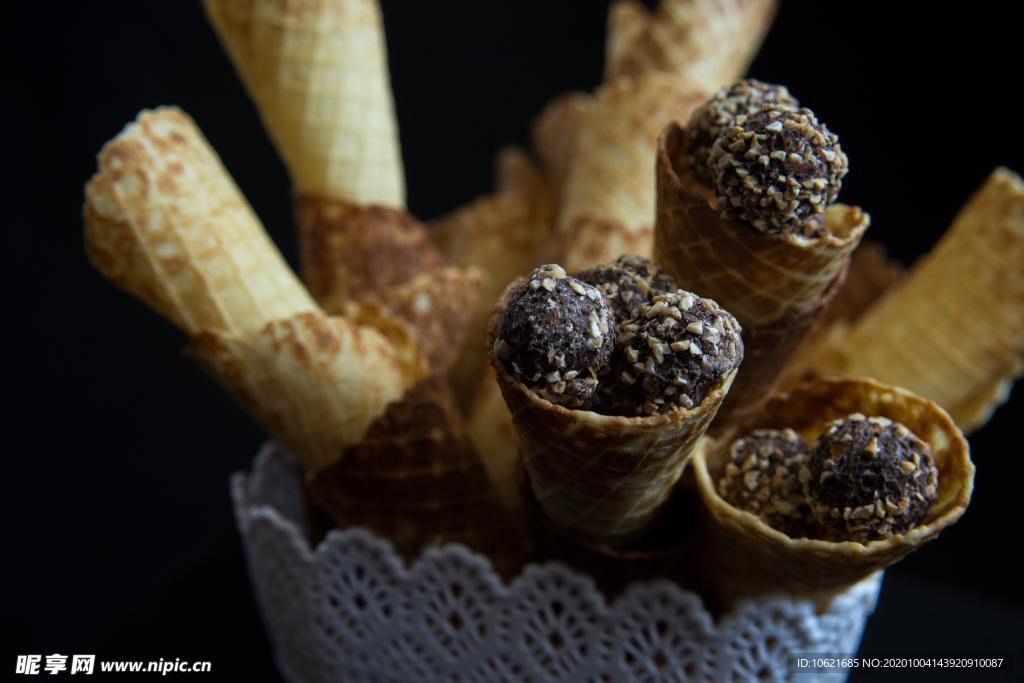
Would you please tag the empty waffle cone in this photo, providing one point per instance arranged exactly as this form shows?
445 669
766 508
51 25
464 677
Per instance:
555 135
601 478
608 203
494 436
317 71
500 236
357 253
954 330
627 20
416 480
315 383
707 43
165 221
745 557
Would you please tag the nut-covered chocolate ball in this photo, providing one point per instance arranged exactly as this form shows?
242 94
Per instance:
628 282
556 336
870 478
778 169
671 354
711 118
764 475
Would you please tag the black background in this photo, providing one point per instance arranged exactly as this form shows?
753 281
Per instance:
119 538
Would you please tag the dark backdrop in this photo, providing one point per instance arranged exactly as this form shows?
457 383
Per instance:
118 528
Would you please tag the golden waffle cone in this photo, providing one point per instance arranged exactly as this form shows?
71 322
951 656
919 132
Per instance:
601 478
607 207
165 222
415 480
516 173
744 557
707 43
954 331
555 134
627 20
317 71
500 235
315 383
351 252
758 277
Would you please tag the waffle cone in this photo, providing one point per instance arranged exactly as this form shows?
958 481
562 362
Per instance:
315 383
768 349
871 274
954 331
375 254
612 180
318 74
758 277
602 478
555 135
745 557
165 222
627 20
707 43
415 479
499 235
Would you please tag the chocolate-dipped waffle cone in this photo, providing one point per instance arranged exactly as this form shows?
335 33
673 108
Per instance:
954 330
165 221
774 283
318 74
744 557
415 479
607 207
602 478
708 43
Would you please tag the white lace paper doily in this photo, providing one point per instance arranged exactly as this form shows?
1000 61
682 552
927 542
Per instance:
349 610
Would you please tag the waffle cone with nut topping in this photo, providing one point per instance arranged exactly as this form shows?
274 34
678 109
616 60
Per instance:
602 478
165 222
607 206
318 74
745 557
954 330
415 479
774 283
706 43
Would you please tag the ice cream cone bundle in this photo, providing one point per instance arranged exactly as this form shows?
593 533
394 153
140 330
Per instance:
387 373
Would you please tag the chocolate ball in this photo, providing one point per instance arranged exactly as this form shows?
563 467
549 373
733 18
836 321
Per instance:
870 478
628 282
777 169
556 336
670 354
764 475
711 118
